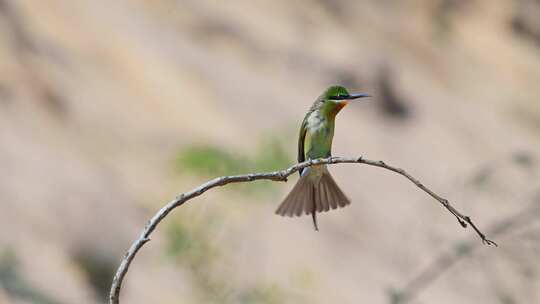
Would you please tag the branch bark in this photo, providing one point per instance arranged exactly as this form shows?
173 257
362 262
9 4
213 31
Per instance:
144 237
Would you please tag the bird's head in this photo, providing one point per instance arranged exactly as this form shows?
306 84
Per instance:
335 98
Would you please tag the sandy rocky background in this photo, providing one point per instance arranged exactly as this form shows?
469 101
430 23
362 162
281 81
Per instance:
99 100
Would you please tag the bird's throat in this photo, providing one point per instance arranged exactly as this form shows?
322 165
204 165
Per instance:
337 107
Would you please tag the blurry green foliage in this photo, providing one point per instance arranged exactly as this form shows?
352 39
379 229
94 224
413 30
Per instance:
463 248
482 177
98 269
212 161
271 156
504 297
271 294
524 159
190 241
15 285
395 296
209 161
304 278
190 244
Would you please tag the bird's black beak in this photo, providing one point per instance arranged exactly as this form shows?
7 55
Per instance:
356 96
346 98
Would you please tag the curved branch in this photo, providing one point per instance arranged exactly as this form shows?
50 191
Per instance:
282 175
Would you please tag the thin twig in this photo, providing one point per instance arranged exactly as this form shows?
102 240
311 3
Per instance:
273 176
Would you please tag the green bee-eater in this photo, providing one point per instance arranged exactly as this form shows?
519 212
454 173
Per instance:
316 190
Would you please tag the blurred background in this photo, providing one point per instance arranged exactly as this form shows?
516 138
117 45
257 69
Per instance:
109 109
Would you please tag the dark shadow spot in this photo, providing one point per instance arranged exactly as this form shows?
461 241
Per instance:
521 28
525 22
391 103
524 159
98 268
54 101
15 285
444 12
482 177
5 94
337 9
22 40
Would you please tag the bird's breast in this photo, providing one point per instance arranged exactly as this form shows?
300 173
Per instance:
319 134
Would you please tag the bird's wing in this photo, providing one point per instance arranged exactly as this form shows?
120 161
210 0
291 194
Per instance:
301 141
302 138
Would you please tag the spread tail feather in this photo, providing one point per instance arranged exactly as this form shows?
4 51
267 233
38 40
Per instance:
311 195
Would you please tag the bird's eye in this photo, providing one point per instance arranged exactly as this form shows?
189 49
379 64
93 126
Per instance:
339 96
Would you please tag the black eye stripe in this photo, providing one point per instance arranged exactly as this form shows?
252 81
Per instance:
340 97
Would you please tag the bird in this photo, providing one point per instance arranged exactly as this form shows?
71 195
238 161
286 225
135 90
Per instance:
316 191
